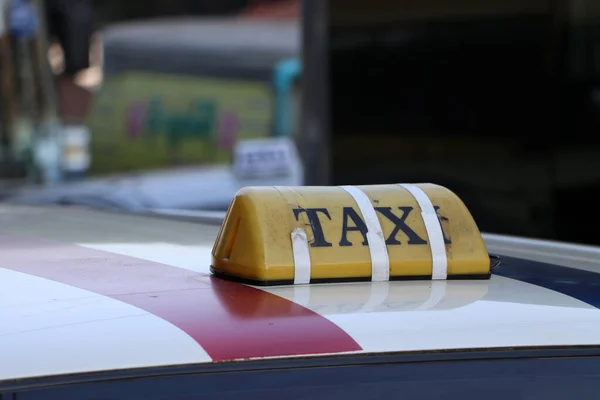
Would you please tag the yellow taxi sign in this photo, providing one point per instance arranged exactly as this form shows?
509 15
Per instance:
284 235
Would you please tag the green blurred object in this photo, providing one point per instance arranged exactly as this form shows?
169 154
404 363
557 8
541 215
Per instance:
145 120
183 91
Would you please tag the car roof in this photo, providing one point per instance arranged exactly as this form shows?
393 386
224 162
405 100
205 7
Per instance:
94 291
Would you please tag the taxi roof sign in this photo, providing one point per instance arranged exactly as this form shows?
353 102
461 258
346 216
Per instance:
299 235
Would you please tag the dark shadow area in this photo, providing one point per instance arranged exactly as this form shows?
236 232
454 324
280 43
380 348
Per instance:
498 107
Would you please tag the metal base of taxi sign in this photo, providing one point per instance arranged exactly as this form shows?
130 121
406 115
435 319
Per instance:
300 235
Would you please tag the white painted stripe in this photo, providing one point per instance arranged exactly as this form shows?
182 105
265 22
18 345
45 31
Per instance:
301 257
479 324
380 262
193 257
433 228
75 331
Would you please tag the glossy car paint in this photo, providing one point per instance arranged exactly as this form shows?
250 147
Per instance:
84 291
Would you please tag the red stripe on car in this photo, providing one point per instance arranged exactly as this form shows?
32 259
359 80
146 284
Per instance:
229 320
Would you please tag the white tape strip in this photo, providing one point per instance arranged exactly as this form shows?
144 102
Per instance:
301 256
434 232
380 262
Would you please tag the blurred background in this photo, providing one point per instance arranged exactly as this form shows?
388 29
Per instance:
174 105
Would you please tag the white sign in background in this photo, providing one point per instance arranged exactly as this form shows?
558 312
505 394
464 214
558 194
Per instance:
266 158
